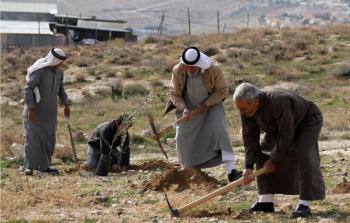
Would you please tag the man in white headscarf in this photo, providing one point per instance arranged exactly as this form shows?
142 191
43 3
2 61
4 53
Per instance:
198 86
44 84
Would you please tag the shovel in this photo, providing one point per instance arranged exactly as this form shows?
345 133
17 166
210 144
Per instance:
231 186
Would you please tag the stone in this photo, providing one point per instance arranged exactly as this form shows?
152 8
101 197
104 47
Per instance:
326 220
102 199
17 150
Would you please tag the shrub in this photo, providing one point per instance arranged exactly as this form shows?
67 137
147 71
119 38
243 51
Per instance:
211 51
12 59
220 58
342 72
150 40
134 89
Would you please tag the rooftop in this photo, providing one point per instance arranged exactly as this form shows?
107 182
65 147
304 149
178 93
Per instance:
24 27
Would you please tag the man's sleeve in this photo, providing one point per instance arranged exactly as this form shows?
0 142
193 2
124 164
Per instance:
32 83
125 156
268 142
220 89
251 137
62 93
285 125
176 91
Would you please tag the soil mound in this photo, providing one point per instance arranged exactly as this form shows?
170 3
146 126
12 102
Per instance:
152 165
183 179
205 213
342 188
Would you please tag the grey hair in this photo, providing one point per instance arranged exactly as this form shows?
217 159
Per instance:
246 91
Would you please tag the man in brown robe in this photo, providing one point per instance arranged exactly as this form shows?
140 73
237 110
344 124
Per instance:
292 126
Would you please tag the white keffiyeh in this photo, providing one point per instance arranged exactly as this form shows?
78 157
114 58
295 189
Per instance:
49 60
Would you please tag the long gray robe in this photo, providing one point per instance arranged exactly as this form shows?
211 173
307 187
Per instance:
292 126
40 137
200 141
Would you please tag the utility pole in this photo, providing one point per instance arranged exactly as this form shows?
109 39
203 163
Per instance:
218 20
66 24
38 26
161 25
248 20
189 21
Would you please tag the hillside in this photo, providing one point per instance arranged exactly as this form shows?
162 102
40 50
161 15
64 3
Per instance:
114 77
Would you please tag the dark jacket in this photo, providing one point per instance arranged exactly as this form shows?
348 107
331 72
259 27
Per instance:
102 137
292 126
280 115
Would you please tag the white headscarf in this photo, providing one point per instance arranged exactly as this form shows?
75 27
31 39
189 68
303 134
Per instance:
193 57
53 58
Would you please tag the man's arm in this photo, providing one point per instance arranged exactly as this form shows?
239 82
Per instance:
176 90
32 83
64 98
220 89
285 125
251 137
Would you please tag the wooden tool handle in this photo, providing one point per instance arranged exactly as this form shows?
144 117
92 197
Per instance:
174 124
72 142
220 191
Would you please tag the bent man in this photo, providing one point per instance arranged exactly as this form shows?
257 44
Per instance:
292 126
198 86
44 83
108 146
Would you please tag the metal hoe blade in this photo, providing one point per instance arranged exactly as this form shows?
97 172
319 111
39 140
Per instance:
174 212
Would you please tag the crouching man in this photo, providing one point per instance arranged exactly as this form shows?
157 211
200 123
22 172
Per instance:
108 146
292 126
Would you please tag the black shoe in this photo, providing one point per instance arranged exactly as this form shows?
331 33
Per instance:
263 206
28 172
302 211
52 171
234 175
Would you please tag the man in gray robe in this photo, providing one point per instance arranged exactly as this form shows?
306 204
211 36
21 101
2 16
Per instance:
44 84
292 126
198 86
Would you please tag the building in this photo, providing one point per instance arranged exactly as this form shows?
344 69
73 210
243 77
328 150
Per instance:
78 28
25 24
35 23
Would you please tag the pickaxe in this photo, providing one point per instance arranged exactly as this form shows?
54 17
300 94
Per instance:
233 185
154 129
173 125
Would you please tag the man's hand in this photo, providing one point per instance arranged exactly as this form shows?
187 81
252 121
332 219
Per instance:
32 115
270 166
66 111
187 114
247 176
201 107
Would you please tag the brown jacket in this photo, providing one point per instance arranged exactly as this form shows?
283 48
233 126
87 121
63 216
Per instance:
213 80
280 116
292 126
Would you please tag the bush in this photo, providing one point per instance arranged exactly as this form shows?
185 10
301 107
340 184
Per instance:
210 51
134 89
150 40
342 72
220 58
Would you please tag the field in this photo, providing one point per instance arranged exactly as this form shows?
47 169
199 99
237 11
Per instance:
114 77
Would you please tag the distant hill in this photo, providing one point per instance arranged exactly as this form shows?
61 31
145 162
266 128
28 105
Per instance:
145 16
